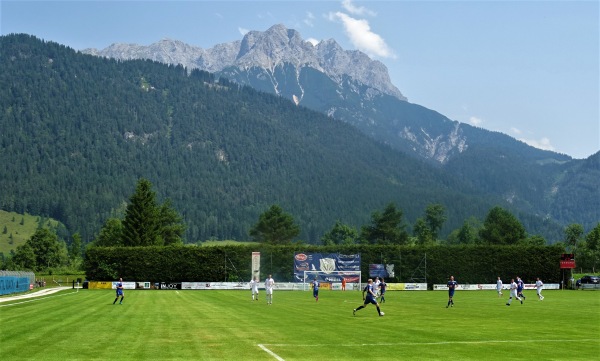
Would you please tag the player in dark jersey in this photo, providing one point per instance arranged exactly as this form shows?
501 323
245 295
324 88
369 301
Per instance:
451 287
370 297
382 287
119 292
520 287
315 287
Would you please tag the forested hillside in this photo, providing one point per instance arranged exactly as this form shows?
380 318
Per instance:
79 131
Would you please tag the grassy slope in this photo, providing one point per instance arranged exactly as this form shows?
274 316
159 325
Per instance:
20 232
227 325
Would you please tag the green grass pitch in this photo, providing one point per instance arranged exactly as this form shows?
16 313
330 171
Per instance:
228 325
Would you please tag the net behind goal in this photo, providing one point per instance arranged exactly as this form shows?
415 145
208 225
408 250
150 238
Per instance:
353 279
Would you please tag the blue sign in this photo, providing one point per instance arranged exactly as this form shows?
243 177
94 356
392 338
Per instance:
13 284
327 264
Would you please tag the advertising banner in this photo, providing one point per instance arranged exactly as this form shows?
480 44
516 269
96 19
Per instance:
255 266
407 286
491 286
567 260
126 285
381 270
13 284
326 263
170 285
100 285
215 285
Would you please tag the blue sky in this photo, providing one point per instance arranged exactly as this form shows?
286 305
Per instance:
529 69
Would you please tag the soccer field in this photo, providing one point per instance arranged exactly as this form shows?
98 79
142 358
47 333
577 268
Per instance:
228 325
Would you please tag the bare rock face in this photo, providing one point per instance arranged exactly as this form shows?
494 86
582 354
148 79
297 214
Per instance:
267 50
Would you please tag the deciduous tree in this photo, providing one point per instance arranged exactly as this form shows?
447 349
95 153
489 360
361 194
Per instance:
435 217
340 234
573 235
501 227
43 250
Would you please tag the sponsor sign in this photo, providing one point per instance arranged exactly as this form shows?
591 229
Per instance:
492 286
255 265
290 286
326 263
216 285
406 287
377 270
567 260
13 284
381 270
170 285
126 285
143 285
100 285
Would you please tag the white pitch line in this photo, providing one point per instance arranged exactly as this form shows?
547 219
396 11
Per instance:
276 356
36 299
423 343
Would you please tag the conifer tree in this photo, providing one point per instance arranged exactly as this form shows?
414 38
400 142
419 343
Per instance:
386 227
275 227
141 223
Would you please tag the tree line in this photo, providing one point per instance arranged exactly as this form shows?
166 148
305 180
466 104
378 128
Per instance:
148 223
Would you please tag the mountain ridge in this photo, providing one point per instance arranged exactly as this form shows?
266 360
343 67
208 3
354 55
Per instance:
269 49
79 131
522 177
410 128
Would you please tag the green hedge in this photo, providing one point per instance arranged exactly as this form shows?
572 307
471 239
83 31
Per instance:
468 264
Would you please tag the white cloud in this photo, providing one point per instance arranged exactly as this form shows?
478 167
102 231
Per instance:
361 36
243 31
475 121
309 20
313 41
356 10
543 143
266 15
515 130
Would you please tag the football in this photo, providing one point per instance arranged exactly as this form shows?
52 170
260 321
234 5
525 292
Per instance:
381 313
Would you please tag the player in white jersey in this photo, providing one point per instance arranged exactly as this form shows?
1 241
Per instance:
499 287
254 288
376 286
269 284
513 292
539 285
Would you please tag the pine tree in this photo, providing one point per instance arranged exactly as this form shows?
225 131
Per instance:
275 227
141 224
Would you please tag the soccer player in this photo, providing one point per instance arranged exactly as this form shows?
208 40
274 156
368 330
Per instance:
376 285
451 287
499 287
513 292
315 287
370 297
343 283
382 287
119 292
254 288
269 283
520 287
538 286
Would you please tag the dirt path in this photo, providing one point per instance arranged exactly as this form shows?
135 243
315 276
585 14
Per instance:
44 292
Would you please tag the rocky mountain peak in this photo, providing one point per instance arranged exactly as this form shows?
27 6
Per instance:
275 46
264 49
